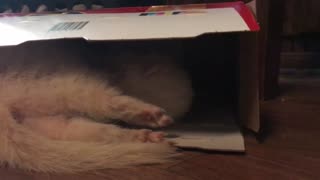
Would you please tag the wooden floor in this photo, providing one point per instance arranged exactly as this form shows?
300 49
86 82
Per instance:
290 150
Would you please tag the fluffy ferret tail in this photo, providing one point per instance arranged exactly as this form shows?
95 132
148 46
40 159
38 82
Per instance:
21 148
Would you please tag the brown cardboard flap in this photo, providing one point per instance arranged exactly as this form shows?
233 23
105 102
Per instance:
249 107
215 130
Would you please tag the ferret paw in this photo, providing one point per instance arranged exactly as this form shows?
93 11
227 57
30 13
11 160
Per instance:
145 135
153 117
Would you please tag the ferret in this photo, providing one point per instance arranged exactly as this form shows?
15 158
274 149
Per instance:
58 99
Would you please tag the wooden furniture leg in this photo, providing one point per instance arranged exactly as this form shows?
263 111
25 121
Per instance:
270 16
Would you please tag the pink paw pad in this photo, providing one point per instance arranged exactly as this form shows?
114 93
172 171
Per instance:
156 118
145 135
156 137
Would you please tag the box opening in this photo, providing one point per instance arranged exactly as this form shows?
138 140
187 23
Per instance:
208 40
212 61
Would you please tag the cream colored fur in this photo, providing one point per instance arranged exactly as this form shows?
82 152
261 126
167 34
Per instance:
23 146
49 112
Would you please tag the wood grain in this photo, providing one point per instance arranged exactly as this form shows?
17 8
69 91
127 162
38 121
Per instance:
301 16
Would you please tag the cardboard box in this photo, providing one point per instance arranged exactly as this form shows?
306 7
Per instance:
205 30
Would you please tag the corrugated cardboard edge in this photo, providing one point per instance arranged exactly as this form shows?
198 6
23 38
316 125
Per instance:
249 104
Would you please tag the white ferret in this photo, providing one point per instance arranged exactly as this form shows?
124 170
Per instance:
54 110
